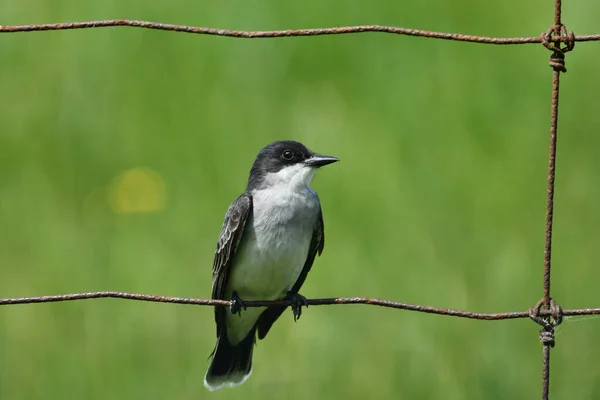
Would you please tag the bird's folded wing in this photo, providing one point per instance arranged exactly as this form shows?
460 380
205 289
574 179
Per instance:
229 239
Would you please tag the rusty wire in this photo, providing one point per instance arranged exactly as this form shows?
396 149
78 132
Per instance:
553 38
285 33
311 302
547 313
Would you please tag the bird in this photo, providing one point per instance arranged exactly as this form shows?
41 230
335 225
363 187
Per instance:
269 239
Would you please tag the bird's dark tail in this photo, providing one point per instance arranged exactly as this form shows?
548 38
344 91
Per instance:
231 365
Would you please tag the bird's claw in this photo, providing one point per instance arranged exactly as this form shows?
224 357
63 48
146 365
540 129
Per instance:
237 304
297 302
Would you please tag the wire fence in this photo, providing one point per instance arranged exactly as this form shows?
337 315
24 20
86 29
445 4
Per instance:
547 313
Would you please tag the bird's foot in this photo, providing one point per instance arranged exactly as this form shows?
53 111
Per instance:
297 302
237 304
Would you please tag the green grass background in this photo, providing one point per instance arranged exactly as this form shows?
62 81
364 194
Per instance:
439 197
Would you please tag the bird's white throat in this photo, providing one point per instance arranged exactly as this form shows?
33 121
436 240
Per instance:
294 177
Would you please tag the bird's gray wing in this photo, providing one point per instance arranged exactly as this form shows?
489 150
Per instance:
317 243
229 239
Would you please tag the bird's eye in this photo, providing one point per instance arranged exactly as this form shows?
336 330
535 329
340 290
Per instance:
288 155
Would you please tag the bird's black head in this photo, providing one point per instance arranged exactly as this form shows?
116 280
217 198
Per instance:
285 162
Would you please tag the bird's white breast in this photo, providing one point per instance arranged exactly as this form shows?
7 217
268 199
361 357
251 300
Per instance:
273 248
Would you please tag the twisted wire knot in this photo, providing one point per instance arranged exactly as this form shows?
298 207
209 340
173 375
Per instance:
548 323
557 59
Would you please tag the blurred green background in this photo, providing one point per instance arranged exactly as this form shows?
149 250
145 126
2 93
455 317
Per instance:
120 150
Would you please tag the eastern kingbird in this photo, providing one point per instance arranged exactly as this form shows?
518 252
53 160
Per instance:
268 242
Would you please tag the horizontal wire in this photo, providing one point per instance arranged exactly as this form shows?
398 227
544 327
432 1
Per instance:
284 33
312 302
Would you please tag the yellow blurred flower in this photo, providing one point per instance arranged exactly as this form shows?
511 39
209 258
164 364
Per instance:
137 190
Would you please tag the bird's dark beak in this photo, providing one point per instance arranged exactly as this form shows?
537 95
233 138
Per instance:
319 160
